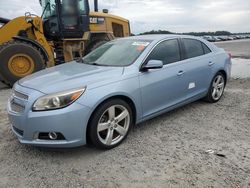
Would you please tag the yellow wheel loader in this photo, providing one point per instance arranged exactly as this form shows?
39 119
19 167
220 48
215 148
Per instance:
67 30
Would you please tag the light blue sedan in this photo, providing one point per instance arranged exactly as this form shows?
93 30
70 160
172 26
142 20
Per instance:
122 83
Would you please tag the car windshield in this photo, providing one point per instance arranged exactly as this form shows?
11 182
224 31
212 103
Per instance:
117 53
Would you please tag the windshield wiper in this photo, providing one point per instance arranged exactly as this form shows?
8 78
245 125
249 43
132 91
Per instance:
96 64
80 60
45 8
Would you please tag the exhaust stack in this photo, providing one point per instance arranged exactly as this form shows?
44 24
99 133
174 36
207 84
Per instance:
96 5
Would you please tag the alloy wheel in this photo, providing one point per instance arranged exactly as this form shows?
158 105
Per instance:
218 87
113 125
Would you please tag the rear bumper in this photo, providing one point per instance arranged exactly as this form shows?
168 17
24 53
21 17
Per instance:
71 122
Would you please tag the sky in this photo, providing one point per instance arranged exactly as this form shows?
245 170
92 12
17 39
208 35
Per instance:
172 15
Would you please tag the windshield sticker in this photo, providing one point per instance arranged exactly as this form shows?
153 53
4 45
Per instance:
141 48
145 44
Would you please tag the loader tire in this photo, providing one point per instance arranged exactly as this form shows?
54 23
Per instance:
19 59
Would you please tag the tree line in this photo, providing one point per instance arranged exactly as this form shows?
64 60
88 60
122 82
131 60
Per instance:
216 33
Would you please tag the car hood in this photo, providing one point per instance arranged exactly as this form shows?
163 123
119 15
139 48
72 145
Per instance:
70 76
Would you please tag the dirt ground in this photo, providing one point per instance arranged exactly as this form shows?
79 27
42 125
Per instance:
168 151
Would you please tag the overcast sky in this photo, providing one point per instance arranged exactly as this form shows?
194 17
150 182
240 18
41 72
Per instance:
172 15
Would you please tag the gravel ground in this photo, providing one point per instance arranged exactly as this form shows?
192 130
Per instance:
168 151
238 48
240 68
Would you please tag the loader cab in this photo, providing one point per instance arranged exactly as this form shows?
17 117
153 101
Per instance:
64 19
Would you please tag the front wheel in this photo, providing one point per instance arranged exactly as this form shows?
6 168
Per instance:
110 124
216 89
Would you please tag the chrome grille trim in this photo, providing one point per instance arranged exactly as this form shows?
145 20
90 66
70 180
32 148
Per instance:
20 95
18 101
16 107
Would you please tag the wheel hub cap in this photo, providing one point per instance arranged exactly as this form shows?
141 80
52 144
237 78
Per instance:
21 65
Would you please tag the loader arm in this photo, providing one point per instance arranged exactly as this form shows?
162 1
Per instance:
19 26
23 48
12 28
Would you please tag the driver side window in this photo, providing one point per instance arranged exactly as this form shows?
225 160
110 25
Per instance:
167 51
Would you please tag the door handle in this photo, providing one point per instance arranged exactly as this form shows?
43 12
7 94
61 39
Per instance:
210 63
180 73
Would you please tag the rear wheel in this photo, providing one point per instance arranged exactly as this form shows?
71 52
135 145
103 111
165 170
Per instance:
110 124
19 59
216 89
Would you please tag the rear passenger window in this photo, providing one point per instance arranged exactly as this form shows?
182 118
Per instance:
193 48
206 49
167 51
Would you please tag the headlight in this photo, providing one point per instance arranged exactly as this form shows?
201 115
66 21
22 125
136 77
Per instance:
57 100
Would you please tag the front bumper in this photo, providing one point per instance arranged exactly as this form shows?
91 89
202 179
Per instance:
71 122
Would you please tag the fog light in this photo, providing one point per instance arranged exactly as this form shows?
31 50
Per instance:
52 135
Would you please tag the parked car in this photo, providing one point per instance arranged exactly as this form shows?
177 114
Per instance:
209 38
234 37
223 38
241 37
217 39
212 38
124 82
238 37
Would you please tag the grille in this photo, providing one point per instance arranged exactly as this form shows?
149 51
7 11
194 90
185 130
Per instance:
20 95
18 101
16 107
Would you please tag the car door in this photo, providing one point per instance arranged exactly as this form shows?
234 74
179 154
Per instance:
198 65
162 88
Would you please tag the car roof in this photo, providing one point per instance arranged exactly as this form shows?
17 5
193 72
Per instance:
159 36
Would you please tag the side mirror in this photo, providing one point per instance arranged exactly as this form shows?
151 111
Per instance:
153 64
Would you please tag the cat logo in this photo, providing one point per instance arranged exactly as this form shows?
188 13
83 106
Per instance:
96 20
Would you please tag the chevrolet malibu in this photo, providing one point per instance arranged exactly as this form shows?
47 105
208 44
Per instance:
97 99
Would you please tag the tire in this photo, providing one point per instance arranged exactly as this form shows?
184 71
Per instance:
102 125
214 88
14 52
